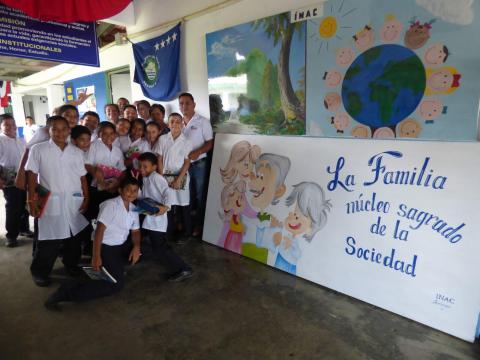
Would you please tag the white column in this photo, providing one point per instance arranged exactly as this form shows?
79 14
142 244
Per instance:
55 95
18 110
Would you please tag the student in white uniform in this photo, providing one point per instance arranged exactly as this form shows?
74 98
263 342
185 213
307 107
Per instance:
11 150
153 135
155 187
59 167
29 129
116 220
130 112
70 113
103 153
123 139
199 133
112 112
90 119
138 144
143 110
173 149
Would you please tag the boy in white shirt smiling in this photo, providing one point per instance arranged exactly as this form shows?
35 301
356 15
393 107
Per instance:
11 149
155 187
116 220
59 167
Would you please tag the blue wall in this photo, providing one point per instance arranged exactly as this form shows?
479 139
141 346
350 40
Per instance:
99 80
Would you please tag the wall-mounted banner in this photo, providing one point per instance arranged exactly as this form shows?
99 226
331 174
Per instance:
394 224
22 36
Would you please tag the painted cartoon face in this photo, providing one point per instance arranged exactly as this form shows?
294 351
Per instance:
435 55
416 36
409 128
361 131
328 27
430 109
238 202
332 78
440 80
341 121
296 223
390 31
384 133
344 56
262 185
332 101
365 38
244 168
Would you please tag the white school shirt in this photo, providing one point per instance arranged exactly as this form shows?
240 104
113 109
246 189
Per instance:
29 131
11 151
60 172
100 154
198 131
117 220
156 188
123 142
40 136
143 146
174 153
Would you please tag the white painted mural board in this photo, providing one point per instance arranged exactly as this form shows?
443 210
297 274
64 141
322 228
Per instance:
425 199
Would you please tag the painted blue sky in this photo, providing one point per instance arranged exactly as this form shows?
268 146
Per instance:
223 45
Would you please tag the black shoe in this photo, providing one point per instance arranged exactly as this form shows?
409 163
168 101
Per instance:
73 271
41 281
53 301
11 243
28 234
181 275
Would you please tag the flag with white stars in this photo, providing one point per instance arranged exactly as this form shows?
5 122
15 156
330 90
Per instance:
157 65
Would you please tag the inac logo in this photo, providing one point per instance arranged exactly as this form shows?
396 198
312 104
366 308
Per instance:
150 68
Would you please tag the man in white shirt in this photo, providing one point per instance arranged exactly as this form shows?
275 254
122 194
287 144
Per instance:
29 129
59 167
11 149
199 133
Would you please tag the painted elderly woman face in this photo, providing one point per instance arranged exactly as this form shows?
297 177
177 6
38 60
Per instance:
296 223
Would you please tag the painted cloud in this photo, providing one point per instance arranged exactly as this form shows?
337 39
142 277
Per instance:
452 11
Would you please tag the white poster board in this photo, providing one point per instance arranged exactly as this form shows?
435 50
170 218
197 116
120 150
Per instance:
392 223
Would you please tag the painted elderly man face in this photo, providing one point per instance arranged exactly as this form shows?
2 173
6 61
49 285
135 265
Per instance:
262 185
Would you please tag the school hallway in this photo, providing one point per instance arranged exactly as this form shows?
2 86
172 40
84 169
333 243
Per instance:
233 308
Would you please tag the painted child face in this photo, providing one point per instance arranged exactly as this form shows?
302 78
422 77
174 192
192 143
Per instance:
108 136
333 78
341 121
296 223
59 132
416 36
112 114
123 128
91 122
71 116
435 55
152 133
9 128
364 39
440 80
332 101
129 193
360 131
83 142
262 185
136 131
430 109
390 31
146 168
175 125
130 114
345 56
384 133
410 128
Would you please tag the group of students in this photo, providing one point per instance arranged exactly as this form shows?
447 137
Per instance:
95 172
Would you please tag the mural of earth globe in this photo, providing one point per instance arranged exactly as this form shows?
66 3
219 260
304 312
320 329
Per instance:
383 85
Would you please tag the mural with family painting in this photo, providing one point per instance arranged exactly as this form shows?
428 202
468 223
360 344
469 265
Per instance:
373 69
391 223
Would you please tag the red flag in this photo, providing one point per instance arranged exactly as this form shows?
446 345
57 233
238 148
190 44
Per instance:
4 92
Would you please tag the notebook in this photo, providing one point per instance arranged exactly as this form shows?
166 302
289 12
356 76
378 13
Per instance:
102 274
